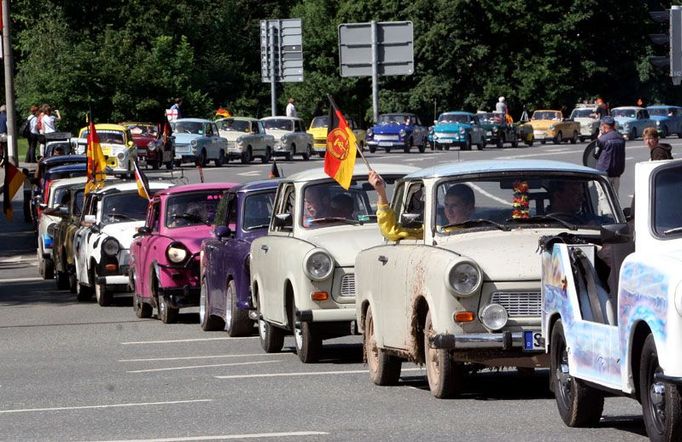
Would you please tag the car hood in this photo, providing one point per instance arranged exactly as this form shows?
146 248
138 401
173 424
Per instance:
542 124
191 236
278 133
318 132
450 127
182 138
624 120
344 242
517 260
659 117
390 128
231 135
123 232
586 120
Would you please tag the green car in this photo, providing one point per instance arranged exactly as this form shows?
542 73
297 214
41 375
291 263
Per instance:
497 131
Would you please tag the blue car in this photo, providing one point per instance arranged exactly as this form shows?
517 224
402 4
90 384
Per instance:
631 121
461 129
400 131
668 119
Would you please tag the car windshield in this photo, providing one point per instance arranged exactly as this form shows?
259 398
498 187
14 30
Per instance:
658 111
667 205
627 113
193 208
393 119
147 130
107 136
123 207
232 125
545 115
319 122
530 199
189 127
328 203
582 113
257 210
454 118
279 124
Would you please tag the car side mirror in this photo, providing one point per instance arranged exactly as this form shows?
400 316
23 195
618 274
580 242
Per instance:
43 206
141 231
411 220
615 233
435 121
222 232
90 219
283 220
627 211
62 212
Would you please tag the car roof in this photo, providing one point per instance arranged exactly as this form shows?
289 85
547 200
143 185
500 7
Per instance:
73 167
254 186
627 107
136 123
123 186
193 120
283 117
546 110
461 113
498 166
105 126
662 106
237 119
360 170
66 159
69 181
398 113
184 188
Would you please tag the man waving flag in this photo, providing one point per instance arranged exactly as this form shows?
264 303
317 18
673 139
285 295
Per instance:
339 159
96 162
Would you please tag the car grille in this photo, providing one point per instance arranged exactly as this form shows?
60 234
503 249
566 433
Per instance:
348 284
519 304
386 137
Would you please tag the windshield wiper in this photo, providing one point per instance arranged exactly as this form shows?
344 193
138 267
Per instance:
536 218
475 222
673 230
333 219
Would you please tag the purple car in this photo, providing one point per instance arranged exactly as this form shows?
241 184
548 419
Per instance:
243 215
164 268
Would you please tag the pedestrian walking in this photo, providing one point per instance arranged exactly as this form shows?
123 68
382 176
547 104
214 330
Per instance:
657 151
610 152
291 108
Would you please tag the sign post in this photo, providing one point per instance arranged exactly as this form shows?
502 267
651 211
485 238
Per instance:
281 54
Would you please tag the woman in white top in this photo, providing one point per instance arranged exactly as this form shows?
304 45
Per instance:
49 123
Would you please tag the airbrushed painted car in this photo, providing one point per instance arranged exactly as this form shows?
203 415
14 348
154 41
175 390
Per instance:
291 137
302 271
319 128
586 115
550 125
117 145
612 310
462 129
225 299
465 292
164 267
246 139
631 121
110 218
497 130
668 119
198 140
397 131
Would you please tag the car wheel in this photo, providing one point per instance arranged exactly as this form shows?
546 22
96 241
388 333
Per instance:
306 339
574 138
530 140
407 146
103 295
237 322
663 132
437 146
141 309
579 405
543 141
47 268
559 138
322 154
387 149
73 282
177 163
481 144
266 156
467 144
220 160
306 155
582 139
207 321
156 164
499 142
246 156
422 147
271 338
633 134
372 148
661 402
384 369
167 314
62 280
169 165
445 376
83 293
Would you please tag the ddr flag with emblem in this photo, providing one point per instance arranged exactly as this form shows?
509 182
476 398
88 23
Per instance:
96 173
339 159
142 183
14 180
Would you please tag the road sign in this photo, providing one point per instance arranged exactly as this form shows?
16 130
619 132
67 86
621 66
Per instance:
281 48
394 46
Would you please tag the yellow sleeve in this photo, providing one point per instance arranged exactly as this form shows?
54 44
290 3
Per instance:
389 227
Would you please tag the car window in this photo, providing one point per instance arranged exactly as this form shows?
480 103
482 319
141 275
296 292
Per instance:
107 136
123 207
257 210
78 199
414 199
189 127
286 203
153 213
279 124
667 206
192 208
322 121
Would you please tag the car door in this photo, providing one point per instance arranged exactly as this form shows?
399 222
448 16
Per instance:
477 130
256 139
81 241
301 136
215 252
142 247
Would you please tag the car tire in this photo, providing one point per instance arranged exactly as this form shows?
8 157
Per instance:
265 159
142 309
633 134
437 146
203 158
177 163
579 405
515 141
499 143
103 295
384 369
207 321
663 133
307 340
288 156
47 268
237 322
530 140
308 151
444 375
574 139
271 338
220 160
373 148
559 138
247 156
408 145
62 280
83 293
167 314
543 141
156 164
582 139
467 144
73 282
169 165
663 416
422 147
387 149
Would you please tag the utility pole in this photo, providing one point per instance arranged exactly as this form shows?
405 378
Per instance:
9 85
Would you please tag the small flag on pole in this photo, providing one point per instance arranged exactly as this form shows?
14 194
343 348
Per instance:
274 171
142 183
14 180
97 164
339 160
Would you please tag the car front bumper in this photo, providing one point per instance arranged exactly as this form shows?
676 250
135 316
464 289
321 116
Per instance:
480 341
541 135
327 315
179 297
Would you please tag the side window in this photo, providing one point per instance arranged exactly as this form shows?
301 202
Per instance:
414 199
231 218
254 127
285 204
153 216
299 126
261 128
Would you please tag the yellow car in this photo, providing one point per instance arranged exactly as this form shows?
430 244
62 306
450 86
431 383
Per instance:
318 130
550 125
117 146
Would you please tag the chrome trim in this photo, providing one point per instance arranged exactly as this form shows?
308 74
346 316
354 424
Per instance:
519 304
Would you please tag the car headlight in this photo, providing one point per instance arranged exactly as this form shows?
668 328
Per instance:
110 246
370 132
318 265
464 278
177 253
283 139
402 132
552 127
193 143
494 130
152 146
494 317
462 130
48 241
658 123
121 156
626 126
239 140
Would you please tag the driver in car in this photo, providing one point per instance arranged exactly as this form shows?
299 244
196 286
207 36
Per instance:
566 201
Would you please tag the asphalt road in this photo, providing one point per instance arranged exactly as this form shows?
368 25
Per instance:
72 371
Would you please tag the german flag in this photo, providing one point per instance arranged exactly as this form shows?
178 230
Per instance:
96 173
14 180
142 183
339 160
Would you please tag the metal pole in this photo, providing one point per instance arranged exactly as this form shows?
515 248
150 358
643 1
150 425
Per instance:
375 73
9 84
273 90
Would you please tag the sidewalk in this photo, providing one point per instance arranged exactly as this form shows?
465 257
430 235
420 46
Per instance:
16 237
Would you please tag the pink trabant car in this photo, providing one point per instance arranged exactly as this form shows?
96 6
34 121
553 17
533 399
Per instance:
164 268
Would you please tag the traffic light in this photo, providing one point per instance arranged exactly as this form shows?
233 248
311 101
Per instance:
673 38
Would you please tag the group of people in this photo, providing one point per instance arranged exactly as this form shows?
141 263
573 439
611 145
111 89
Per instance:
41 120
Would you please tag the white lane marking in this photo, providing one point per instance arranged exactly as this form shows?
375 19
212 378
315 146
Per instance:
18 259
173 341
302 373
191 367
21 279
226 437
184 358
490 195
251 173
92 407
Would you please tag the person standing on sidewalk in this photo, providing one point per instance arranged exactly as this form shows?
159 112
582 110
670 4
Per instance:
610 152
3 129
33 135
291 109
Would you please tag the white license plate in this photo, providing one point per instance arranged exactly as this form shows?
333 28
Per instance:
445 141
385 143
532 340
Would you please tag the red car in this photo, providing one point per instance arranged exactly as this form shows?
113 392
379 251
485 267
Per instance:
152 149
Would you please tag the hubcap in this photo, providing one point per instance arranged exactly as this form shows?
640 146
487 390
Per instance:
564 378
261 329
298 334
372 348
228 307
657 399
202 303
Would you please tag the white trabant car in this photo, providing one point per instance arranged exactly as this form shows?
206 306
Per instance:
246 139
59 194
302 275
109 220
466 289
586 115
618 327
291 137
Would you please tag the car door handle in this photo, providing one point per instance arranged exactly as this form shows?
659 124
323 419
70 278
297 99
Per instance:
264 248
382 259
